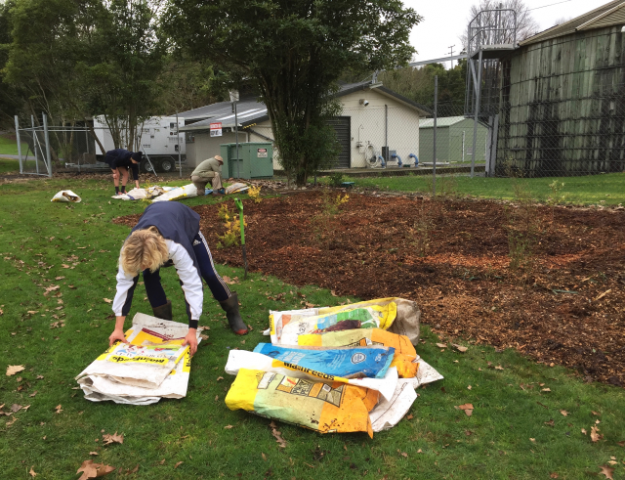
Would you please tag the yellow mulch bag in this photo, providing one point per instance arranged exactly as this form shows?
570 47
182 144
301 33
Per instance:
405 353
315 405
397 315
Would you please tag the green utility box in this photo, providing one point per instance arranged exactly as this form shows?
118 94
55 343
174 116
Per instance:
255 160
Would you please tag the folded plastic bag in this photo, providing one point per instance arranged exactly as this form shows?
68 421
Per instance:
348 362
237 188
188 191
290 324
66 196
154 365
314 405
405 353
402 316
238 359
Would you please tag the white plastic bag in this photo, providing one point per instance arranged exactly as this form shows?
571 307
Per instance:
237 188
188 191
66 196
144 372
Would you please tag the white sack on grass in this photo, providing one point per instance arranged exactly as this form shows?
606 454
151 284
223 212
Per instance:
238 359
389 413
66 196
188 191
154 366
237 188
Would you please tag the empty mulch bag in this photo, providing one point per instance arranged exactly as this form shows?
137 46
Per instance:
238 359
347 362
237 188
405 358
397 315
152 366
188 191
66 196
315 405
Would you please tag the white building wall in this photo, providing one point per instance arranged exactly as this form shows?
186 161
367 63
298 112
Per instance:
368 126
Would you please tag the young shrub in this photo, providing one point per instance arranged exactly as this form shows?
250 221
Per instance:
254 194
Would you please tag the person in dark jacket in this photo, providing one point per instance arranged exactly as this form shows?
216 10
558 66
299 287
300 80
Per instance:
169 232
121 161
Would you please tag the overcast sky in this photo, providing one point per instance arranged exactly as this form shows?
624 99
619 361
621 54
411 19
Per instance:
444 20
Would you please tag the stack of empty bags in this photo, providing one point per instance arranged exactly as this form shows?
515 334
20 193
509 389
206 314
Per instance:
351 368
152 365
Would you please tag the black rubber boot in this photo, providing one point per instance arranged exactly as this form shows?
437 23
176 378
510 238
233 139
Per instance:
164 311
231 307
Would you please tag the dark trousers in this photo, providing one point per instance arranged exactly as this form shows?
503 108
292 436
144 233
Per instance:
219 289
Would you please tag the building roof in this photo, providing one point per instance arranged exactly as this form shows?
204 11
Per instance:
250 110
612 13
441 122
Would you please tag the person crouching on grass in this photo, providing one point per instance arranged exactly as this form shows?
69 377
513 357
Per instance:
120 161
168 233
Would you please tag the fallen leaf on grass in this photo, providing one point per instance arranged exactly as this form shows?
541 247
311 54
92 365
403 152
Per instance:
498 367
594 436
403 454
584 431
277 435
264 456
65 266
607 471
230 281
59 278
107 439
469 387
32 473
622 444
16 408
441 345
596 414
460 348
546 390
107 300
204 337
553 475
533 440
564 413
409 417
33 394
58 408
93 470
13 369
228 427
32 312
95 454
178 464
550 423
49 289
467 407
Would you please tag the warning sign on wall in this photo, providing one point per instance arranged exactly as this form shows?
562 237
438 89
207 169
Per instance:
262 153
215 129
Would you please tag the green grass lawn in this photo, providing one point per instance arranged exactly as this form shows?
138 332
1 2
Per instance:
514 432
8 165
608 189
8 146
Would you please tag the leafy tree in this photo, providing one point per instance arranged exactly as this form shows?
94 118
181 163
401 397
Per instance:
295 50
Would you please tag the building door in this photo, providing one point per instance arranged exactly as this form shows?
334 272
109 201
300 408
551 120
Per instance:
342 126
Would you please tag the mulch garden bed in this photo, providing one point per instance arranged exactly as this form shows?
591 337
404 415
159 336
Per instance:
561 300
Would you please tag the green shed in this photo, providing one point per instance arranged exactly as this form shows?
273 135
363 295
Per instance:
255 160
454 140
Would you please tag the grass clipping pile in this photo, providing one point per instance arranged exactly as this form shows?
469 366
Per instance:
362 380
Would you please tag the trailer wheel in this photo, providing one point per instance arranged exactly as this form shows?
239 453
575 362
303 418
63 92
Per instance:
145 166
167 165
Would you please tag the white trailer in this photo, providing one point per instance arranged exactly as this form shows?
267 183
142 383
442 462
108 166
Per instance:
157 137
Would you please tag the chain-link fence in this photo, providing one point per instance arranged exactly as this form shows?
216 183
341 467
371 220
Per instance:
44 149
562 107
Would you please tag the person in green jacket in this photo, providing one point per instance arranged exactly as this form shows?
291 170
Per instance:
208 171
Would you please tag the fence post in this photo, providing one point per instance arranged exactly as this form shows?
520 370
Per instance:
179 146
434 134
19 144
35 143
47 137
478 91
